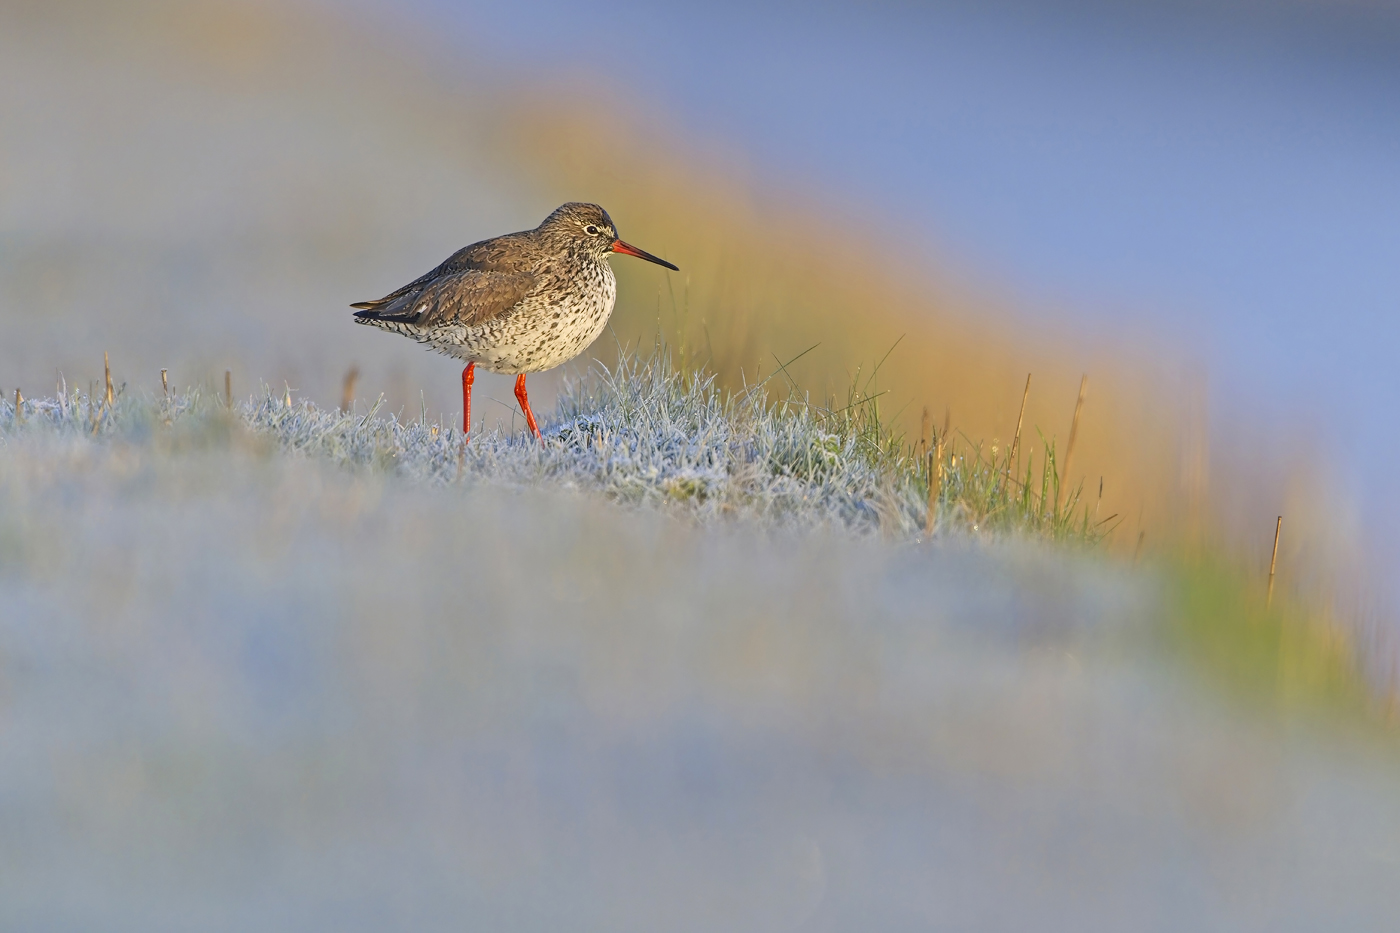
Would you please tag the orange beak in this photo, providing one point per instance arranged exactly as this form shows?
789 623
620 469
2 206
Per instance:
628 250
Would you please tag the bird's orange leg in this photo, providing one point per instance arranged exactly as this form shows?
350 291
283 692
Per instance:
524 401
468 377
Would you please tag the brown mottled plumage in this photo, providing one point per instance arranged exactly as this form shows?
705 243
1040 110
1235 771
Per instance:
519 303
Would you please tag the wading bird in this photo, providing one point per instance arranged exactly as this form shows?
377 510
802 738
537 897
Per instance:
520 303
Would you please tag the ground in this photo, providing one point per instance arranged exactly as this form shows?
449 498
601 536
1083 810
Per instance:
250 679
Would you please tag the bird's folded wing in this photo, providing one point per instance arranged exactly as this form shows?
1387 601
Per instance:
472 297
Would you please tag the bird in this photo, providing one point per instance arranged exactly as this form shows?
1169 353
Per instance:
519 303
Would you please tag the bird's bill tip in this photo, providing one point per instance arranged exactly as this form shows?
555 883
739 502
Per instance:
628 249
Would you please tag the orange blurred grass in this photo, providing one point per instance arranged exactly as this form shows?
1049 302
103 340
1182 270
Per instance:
764 279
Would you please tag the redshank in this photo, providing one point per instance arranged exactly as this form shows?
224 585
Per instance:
520 303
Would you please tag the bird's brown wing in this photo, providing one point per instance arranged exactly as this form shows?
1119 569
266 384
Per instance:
471 297
512 253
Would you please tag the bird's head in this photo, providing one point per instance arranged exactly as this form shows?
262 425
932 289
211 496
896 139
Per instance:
588 227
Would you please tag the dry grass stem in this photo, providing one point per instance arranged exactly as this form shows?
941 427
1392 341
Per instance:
929 515
347 391
165 388
1020 420
1273 562
107 374
228 389
935 486
19 410
1063 486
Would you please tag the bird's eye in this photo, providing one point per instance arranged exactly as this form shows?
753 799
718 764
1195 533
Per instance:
591 230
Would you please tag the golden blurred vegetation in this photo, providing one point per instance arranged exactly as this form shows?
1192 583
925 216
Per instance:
764 279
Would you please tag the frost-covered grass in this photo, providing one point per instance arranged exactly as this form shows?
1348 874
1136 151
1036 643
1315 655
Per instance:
644 433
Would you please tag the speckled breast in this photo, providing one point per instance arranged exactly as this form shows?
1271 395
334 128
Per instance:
554 323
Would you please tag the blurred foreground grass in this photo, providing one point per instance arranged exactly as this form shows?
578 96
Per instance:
1288 656
278 668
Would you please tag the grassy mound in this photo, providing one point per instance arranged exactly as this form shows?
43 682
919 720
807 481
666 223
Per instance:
646 433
